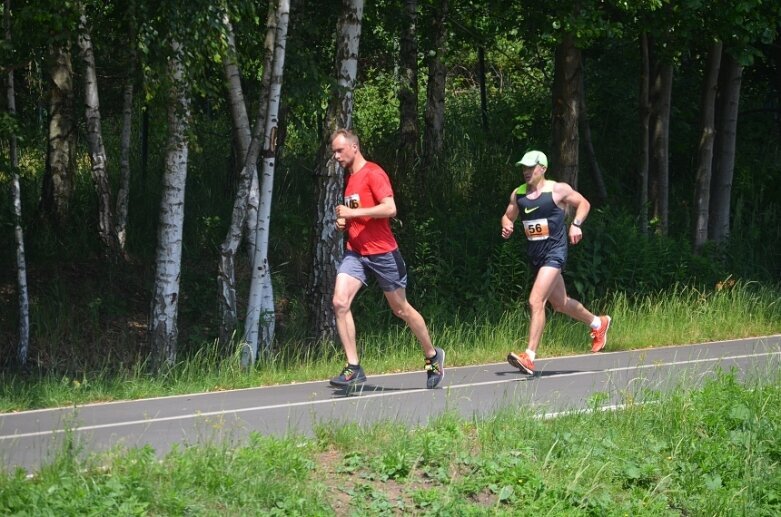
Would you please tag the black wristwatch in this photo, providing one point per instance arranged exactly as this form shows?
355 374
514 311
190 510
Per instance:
576 223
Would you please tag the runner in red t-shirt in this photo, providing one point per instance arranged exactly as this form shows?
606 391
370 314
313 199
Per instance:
366 188
372 250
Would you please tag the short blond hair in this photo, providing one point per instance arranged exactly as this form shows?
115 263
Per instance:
348 135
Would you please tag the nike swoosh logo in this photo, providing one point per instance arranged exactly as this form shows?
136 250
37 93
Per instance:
530 210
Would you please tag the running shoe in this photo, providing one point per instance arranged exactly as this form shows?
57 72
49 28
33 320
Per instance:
521 361
599 336
435 369
350 375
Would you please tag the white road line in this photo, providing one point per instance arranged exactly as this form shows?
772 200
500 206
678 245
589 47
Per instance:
605 353
369 396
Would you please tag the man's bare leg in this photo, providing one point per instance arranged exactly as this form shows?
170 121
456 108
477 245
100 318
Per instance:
574 309
397 300
345 289
544 284
571 307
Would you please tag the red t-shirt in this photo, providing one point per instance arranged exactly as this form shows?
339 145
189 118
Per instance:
366 188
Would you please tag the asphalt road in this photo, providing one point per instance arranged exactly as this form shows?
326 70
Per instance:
30 439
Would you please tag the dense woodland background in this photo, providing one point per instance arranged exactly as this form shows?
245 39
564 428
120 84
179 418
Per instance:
512 76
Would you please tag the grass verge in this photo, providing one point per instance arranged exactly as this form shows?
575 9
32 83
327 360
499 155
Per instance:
710 451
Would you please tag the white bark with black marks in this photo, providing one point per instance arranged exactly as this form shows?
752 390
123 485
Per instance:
23 345
244 214
163 327
328 245
97 151
261 317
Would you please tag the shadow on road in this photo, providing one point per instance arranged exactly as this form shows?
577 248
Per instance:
541 373
365 388
372 388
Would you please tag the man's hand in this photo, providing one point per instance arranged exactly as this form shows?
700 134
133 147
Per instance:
344 211
507 229
575 234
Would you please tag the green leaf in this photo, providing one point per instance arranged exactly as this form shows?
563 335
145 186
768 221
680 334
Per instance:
740 412
506 493
713 482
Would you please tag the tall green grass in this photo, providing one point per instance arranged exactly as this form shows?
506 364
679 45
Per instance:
676 316
708 451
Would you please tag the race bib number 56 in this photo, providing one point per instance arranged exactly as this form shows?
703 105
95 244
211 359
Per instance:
536 229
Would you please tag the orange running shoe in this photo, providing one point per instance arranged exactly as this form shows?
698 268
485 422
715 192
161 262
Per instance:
521 361
599 336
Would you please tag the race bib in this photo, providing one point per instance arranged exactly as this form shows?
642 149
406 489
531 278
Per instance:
353 201
536 229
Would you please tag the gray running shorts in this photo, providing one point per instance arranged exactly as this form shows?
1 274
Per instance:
388 268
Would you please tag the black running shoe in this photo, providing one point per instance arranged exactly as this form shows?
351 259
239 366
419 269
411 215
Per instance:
350 375
435 369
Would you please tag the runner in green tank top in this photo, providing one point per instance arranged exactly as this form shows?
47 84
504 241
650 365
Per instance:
541 204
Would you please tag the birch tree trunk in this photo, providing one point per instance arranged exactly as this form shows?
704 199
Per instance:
645 132
60 159
434 117
259 326
409 130
226 277
328 246
23 346
97 151
721 189
253 198
661 92
566 104
163 327
248 181
705 152
123 193
238 106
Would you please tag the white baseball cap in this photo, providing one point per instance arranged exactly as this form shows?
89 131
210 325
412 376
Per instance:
533 158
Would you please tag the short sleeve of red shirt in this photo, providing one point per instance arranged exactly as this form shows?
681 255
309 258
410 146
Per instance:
365 189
